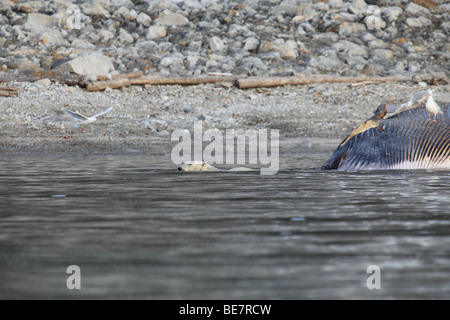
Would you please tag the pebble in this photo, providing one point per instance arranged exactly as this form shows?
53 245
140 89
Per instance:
44 82
414 9
216 44
172 20
187 108
155 32
144 19
88 64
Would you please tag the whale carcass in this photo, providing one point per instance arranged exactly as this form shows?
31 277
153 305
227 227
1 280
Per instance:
408 138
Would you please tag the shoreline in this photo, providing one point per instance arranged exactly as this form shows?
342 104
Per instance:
144 118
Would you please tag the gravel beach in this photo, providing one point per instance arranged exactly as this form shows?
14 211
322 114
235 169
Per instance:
100 39
142 119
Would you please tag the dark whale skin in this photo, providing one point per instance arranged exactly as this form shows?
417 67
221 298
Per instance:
409 140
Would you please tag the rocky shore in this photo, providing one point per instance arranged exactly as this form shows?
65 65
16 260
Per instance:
100 39
195 37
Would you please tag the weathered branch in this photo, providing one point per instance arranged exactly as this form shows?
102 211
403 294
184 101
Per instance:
8 92
113 84
257 82
242 82
182 80
78 81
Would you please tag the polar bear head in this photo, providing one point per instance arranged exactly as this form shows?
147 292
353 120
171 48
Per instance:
196 166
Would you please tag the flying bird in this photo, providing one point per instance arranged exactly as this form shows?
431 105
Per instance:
86 120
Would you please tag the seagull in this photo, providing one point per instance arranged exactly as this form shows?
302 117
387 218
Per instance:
416 101
431 106
86 120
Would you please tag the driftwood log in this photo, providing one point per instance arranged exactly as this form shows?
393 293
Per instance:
258 82
6 93
75 81
9 92
242 82
182 80
113 84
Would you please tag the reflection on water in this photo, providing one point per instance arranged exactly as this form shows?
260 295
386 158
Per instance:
138 228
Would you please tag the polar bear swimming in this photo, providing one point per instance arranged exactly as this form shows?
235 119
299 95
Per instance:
197 166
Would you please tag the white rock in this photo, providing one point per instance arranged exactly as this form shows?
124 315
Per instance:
358 51
125 37
195 46
155 32
358 8
187 108
377 44
306 11
422 84
235 30
123 12
191 61
288 7
105 35
216 44
327 61
59 4
175 59
287 50
415 9
351 28
374 22
251 44
253 63
160 5
95 9
6 3
209 3
3 20
38 20
89 64
133 15
326 36
367 36
118 3
391 13
53 36
192 4
418 22
157 125
172 20
44 82
335 3
144 19
445 26
379 54
414 23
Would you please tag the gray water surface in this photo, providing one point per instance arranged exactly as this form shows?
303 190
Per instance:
139 229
